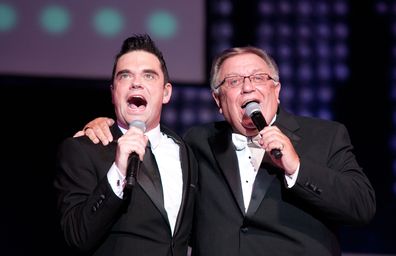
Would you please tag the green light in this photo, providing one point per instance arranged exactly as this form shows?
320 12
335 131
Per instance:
108 22
55 19
7 17
162 24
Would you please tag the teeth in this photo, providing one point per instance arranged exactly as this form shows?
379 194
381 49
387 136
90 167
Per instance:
137 101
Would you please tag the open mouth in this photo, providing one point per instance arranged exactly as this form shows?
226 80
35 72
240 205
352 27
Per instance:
137 101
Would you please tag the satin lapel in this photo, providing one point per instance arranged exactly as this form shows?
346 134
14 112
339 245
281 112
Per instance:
261 184
148 176
116 132
185 166
224 152
288 125
150 180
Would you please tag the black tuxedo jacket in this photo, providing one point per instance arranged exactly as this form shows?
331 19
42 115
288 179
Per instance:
331 189
97 222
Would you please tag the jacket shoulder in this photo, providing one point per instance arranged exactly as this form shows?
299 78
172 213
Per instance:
206 130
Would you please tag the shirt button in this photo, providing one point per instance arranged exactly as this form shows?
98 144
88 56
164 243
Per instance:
244 229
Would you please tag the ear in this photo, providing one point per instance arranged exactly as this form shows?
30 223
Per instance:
216 97
277 90
112 93
167 93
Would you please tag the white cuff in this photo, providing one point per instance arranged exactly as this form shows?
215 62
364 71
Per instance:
116 180
291 179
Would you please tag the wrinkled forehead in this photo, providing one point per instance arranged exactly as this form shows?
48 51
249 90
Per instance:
243 64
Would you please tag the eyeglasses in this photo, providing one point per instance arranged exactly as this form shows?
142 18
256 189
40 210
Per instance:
237 80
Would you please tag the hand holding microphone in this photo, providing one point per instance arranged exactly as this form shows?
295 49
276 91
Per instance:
252 109
134 161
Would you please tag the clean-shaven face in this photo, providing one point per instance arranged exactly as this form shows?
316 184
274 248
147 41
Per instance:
139 90
232 101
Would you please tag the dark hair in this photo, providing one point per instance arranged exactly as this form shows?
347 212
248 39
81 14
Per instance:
141 42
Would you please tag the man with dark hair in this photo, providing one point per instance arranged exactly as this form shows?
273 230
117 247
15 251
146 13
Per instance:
102 214
251 202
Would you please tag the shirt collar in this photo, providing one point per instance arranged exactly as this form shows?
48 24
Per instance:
154 135
273 119
240 141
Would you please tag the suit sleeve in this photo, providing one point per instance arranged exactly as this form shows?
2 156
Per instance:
335 186
88 207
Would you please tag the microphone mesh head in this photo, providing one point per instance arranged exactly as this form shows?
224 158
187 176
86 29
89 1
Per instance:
252 107
138 124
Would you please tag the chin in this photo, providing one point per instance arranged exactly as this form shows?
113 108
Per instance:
246 129
247 124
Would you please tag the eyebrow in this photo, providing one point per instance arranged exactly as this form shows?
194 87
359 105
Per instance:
254 72
124 71
150 71
127 71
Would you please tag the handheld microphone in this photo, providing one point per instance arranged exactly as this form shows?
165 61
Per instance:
252 109
134 161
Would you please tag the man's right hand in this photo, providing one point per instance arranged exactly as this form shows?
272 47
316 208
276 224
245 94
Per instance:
98 130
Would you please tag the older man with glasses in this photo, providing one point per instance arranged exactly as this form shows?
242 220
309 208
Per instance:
251 203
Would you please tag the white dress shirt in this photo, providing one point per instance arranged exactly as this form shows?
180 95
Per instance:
247 171
167 156
250 155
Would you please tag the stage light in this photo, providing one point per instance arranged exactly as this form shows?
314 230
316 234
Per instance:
55 19
162 24
108 22
8 17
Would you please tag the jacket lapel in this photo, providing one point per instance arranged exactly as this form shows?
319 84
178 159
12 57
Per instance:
186 174
148 177
150 181
267 172
288 125
224 152
185 165
261 184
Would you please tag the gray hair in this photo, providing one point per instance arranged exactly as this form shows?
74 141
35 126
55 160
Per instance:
231 52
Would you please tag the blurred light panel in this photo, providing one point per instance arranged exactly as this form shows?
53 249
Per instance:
325 94
224 7
8 17
55 19
221 29
79 39
108 22
190 106
308 39
162 24
317 55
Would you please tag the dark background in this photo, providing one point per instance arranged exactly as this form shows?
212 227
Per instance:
38 112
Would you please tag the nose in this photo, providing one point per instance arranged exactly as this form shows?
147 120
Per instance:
135 84
247 85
